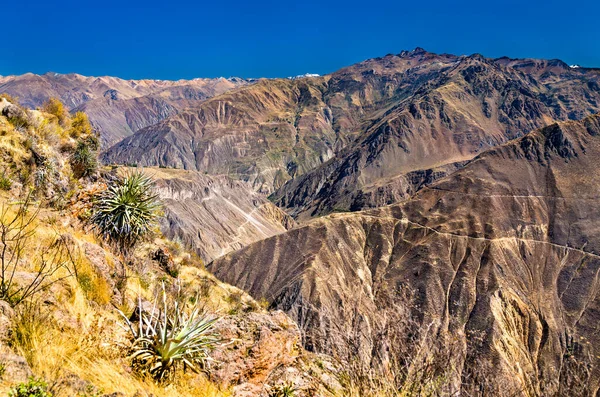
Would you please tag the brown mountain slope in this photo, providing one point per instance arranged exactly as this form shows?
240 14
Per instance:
214 215
278 129
116 107
477 104
499 260
345 136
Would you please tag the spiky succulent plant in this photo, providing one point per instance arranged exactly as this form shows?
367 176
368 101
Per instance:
126 211
169 338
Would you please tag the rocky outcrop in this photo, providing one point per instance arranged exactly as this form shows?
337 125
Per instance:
263 352
116 107
214 215
499 260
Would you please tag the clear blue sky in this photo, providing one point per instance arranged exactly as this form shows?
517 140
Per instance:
176 39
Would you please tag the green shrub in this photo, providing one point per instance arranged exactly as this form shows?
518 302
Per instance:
33 388
126 211
5 182
283 390
169 338
84 160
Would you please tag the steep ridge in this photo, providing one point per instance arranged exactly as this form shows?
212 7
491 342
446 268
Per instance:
476 105
214 215
116 107
340 139
278 129
500 260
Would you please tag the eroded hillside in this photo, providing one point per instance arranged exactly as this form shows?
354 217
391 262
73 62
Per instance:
62 285
214 215
490 272
371 133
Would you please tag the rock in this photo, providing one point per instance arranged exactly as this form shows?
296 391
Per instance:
262 349
16 368
6 316
256 344
14 112
165 261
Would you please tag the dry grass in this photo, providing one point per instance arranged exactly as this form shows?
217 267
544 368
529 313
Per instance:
87 350
69 333
78 335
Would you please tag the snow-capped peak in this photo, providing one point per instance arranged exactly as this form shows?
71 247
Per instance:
300 76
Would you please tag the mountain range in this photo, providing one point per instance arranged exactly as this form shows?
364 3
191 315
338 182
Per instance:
408 205
116 107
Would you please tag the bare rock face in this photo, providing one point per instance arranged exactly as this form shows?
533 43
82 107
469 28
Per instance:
499 260
264 352
214 215
116 107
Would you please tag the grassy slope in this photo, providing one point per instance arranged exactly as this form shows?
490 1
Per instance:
70 333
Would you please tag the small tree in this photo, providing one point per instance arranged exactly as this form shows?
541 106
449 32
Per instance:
16 230
127 211
80 126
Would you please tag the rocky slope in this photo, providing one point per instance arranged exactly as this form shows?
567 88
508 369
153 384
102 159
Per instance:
499 261
278 129
344 137
62 285
116 107
214 215
477 104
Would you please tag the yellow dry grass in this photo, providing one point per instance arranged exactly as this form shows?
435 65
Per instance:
79 335
83 342
70 334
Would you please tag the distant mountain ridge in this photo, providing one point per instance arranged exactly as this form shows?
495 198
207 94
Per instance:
368 134
116 107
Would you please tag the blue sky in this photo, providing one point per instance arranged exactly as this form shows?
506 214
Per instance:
186 39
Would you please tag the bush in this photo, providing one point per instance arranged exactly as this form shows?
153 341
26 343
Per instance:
126 212
33 388
55 107
169 338
5 182
53 264
84 160
80 126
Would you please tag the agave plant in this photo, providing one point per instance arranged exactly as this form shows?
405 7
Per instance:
126 211
84 160
170 338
